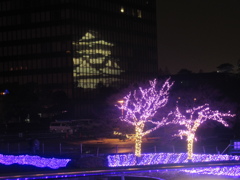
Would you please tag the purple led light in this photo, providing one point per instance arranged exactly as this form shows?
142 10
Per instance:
164 158
223 171
192 119
140 106
37 161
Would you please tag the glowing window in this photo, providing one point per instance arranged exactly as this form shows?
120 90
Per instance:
122 10
236 145
133 13
139 13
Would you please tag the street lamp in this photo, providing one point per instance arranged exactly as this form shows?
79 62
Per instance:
121 102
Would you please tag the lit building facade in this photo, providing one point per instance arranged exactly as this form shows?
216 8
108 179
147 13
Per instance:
76 46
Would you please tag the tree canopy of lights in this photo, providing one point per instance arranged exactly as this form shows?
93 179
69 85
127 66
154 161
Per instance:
193 118
139 107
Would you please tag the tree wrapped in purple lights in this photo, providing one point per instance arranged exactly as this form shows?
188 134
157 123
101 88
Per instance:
140 106
193 119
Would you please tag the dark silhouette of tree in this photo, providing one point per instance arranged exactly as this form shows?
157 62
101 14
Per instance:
21 102
166 71
225 68
201 71
55 105
184 71
238 66
160 72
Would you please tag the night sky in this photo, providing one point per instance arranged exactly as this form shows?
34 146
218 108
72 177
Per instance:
198 34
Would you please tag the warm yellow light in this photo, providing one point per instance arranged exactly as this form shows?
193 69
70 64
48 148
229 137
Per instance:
2 93
117 133
198 115
121 101
190 148
138 138
139 13
95 51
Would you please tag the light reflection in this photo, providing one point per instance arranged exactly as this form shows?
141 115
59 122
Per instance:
219 171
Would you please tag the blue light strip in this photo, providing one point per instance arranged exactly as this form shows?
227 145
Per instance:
123 160
37 161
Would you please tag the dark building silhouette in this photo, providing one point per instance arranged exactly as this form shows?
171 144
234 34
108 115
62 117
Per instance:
76 46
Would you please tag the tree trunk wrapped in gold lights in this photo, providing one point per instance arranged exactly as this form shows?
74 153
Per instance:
192 119
139 107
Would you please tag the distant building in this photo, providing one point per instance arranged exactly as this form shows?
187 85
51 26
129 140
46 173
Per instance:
92 59
76 46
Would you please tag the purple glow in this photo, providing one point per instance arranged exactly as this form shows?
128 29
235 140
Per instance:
220 171
195 117
37 161
165 158
138 108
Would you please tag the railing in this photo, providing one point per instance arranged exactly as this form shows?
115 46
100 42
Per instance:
69 149
60 145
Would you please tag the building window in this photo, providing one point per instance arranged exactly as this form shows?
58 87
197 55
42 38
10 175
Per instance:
122 10
236 145
139 13
133 12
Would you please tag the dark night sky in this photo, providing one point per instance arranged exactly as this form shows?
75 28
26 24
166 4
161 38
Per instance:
198 34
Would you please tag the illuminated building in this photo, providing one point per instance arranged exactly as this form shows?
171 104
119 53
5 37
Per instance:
76 46
93 59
